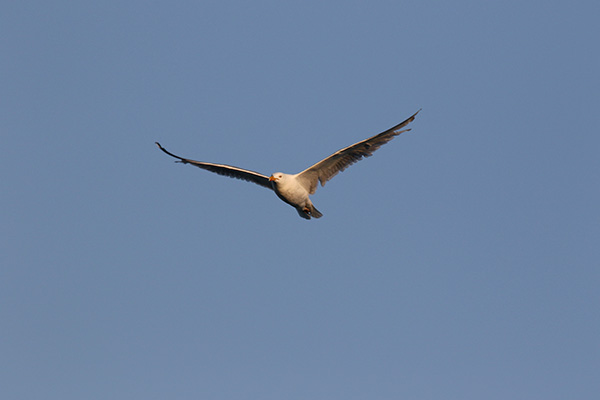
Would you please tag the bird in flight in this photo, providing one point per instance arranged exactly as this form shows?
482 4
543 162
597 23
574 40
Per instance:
295 189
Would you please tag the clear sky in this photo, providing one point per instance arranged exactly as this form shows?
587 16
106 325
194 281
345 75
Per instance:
461 261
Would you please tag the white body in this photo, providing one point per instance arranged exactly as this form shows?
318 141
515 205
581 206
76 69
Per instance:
290 189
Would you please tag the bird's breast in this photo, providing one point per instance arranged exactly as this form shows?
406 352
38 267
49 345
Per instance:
291 192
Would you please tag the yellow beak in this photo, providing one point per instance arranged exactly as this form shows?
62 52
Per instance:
271 178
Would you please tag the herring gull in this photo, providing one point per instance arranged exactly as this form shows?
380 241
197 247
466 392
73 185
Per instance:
295 189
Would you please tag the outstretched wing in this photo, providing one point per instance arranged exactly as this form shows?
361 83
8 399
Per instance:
340 160
225 170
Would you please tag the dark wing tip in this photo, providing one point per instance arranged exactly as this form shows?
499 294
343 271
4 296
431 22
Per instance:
396 129
181 159
412 117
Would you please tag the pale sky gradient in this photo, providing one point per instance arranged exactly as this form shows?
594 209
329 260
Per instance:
461 261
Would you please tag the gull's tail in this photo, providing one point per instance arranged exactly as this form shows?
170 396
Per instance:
308 211
314 212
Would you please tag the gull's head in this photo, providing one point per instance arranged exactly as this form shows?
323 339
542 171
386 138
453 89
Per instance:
277 176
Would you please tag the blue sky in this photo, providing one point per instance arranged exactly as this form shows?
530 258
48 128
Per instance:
461 261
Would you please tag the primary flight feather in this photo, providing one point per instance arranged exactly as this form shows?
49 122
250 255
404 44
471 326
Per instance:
295 189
